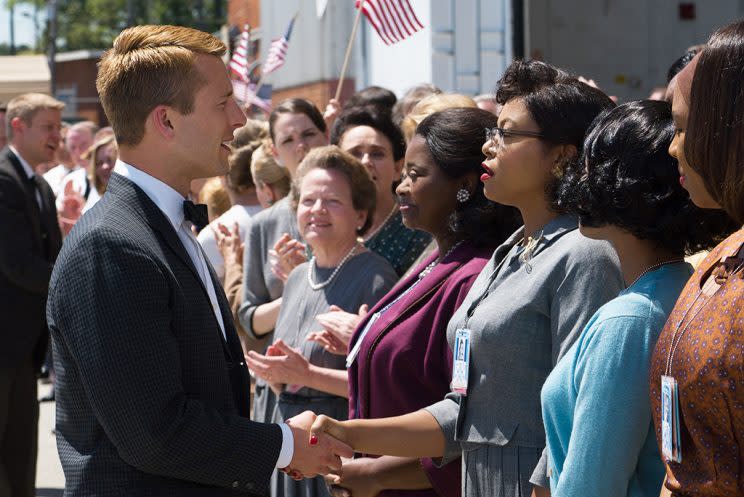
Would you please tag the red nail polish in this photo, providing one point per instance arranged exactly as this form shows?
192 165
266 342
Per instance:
313 440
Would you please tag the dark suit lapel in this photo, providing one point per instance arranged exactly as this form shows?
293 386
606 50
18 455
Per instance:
32 207
134 196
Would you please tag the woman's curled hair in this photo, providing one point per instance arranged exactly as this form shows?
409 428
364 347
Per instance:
626 178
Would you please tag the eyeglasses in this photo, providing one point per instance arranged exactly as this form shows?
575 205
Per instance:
496 135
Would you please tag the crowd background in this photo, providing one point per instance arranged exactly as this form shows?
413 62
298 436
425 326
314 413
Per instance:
556 225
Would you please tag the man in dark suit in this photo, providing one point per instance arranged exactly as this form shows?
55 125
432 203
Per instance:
152 390
29 243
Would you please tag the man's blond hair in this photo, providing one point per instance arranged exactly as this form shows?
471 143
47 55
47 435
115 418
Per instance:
150 66
26 106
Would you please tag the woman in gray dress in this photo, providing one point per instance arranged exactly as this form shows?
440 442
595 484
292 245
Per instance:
525 309
335 200
296 126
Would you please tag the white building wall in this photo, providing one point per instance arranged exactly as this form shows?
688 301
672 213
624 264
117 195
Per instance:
464 46
404 64
627 46
316 47
471 43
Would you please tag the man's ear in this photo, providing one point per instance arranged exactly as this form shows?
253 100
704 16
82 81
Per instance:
160 119
17 124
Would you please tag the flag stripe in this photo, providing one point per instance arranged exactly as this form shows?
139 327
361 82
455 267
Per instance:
397 21
393 20
386 10
379 23
409 12
278 51
239 60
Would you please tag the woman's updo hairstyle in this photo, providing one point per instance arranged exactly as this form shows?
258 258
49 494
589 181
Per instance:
561 106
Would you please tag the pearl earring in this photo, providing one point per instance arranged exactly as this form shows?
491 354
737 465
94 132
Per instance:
462 195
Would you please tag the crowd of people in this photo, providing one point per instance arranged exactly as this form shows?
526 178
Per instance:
534 293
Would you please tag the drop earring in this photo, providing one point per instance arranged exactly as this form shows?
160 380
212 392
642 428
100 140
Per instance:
462 195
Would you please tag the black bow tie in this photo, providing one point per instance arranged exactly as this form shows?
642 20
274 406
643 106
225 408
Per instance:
196 213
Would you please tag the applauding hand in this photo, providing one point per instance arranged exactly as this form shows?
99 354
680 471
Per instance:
286 255
281 365
338 328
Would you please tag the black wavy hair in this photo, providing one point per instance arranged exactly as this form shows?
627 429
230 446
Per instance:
561 106
626 178
375 118
454 138
681 63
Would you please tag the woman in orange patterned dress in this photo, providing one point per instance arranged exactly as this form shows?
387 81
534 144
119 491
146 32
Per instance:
701 349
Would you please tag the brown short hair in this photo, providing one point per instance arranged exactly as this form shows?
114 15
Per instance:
713 139
239 177
150 66
26 106
363 193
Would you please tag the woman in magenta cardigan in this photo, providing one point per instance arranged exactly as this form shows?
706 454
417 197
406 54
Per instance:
399 359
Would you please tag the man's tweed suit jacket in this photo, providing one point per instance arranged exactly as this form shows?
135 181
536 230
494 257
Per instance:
151 401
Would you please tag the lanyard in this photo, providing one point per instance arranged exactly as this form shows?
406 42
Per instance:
708 290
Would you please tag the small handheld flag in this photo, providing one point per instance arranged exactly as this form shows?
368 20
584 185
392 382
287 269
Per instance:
278 51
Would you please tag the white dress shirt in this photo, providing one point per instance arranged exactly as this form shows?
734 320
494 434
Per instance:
28 170
56 175
170 202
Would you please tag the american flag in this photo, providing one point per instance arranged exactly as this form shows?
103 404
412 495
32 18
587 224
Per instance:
239 60
246 93
278 51
394 20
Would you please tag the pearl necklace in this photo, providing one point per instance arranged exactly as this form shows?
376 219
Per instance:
370 236
651 268
430 267
323 284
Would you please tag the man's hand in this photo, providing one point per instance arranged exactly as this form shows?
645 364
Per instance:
314 454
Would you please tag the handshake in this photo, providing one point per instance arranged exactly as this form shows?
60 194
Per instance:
319 445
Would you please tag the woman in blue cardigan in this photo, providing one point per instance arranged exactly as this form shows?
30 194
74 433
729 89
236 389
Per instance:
600 439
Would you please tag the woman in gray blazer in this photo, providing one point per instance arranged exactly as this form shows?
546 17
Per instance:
525 309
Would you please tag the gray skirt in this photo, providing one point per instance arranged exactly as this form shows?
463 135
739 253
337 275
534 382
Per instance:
287 406
498 471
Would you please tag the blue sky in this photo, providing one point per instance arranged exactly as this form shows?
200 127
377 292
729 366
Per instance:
24 26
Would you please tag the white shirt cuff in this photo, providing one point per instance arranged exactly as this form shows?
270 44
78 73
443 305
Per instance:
287 452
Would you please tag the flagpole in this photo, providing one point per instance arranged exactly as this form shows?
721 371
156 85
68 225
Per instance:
348 49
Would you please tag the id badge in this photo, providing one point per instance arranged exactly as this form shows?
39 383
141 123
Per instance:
358 345
461 362
670 436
